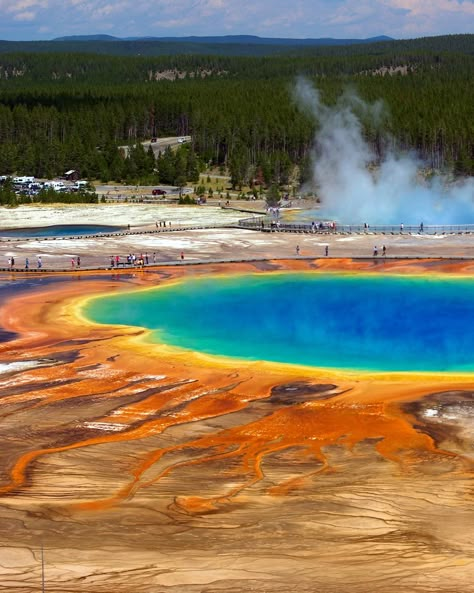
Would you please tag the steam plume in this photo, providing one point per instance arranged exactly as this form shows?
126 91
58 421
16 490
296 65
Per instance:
391 194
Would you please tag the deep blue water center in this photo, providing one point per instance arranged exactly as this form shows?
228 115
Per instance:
60 230
364 322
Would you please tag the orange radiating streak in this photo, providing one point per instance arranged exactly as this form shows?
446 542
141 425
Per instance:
312 426
196 410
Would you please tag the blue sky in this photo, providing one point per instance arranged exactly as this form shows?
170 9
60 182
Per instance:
46 19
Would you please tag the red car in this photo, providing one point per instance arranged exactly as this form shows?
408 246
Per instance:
158 192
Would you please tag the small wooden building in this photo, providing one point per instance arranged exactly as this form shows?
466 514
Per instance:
72 175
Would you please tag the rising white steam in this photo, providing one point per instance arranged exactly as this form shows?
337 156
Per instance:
353 191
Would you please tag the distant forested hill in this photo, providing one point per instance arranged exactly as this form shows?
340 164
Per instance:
236 46
62 111
231 39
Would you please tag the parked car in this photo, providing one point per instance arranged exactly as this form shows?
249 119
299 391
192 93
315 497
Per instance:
158 192
80 185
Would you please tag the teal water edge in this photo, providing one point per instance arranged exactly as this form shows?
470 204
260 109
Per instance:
360 322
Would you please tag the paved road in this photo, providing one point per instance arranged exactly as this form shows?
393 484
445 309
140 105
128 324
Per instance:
138 190
162 144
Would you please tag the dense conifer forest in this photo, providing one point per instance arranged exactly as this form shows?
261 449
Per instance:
62 111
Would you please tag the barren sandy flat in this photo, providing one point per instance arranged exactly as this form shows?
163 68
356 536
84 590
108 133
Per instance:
136 215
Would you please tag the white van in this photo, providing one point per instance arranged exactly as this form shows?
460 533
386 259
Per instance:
56 185
23 180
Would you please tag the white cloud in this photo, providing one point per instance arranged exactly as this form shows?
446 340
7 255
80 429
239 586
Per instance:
21 6
423 7
27 15
299 18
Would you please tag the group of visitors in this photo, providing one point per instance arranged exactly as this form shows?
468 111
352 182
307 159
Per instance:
275 212
115 261
133 260
324 226
11 262
376 250
75 262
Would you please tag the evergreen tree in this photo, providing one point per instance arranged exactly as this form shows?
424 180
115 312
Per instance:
273 196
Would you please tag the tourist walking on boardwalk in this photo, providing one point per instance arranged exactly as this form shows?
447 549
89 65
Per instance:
146 258
421 227
117 260
39 262
182 256
297 250
384 250
153 257
78 261
10 265
112 261
326 250
401 228
72 263
27 263
376 251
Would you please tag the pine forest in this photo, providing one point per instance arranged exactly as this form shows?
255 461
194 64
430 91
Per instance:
63 110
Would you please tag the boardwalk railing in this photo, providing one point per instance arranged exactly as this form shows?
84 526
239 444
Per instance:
268 224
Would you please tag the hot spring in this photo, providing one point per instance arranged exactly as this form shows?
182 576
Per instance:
61 230
360 322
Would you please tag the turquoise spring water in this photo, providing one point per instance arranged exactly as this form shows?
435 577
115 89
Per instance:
60 230
381 323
